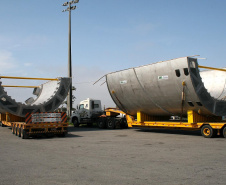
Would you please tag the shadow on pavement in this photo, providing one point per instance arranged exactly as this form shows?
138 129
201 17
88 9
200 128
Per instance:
170 131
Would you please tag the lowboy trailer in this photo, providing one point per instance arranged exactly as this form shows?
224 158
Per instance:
209 126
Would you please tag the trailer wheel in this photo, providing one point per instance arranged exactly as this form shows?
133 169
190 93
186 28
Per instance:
224 132
101 122
63 134
207 131
19 132
13 129
24 134
110 123
76 123
16 130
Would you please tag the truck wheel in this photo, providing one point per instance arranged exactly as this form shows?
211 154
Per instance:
207 131
123 123
1 124
224 132
110 123
24 134
75 122
101 123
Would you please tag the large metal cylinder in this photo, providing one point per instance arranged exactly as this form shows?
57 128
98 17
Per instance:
157 89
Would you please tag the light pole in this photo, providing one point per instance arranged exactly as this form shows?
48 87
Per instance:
69 98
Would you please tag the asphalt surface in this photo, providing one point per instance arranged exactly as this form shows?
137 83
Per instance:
129 156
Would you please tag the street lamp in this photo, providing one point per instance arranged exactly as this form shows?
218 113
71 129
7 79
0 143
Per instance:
69 98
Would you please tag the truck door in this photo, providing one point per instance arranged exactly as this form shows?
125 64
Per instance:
83 111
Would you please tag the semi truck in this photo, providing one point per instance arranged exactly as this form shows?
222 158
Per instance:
89 111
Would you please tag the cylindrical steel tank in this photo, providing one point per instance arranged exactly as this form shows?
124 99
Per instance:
156 89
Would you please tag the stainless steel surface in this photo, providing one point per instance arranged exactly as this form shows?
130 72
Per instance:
215 83
49 98
156 89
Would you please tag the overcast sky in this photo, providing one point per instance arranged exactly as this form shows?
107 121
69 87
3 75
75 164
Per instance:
106 36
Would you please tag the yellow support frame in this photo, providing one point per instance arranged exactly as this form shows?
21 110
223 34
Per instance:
213 68
195 122
29 78
20 86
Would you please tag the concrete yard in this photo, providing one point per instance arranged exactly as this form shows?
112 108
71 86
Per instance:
129 156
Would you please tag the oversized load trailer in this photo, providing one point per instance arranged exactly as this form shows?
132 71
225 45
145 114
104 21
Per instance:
149 95
36 124
35 116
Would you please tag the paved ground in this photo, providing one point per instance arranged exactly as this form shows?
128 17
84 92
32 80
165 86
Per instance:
130 156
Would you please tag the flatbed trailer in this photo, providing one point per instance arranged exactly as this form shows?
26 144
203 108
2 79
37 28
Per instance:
36 124
209 126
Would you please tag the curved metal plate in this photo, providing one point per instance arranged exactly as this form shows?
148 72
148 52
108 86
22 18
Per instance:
156 89
50 97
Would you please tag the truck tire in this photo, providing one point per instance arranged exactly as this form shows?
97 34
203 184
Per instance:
123 123
111 123
75 122
208 132
24 134
1 124
224 132
101 122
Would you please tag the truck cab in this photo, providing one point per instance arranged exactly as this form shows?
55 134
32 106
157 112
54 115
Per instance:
88 111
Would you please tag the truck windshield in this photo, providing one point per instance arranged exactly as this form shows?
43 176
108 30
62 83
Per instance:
81 106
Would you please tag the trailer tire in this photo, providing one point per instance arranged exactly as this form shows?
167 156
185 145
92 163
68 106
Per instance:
16 129
224 132
63 134
75 122
208 132
111 123
24 134
101 122
13 129
19 132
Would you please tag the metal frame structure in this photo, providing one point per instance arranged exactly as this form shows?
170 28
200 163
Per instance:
49 96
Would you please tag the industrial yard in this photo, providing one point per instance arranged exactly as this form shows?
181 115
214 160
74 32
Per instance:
142 102
122 156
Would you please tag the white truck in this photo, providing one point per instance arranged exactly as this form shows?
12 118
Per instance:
89 111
